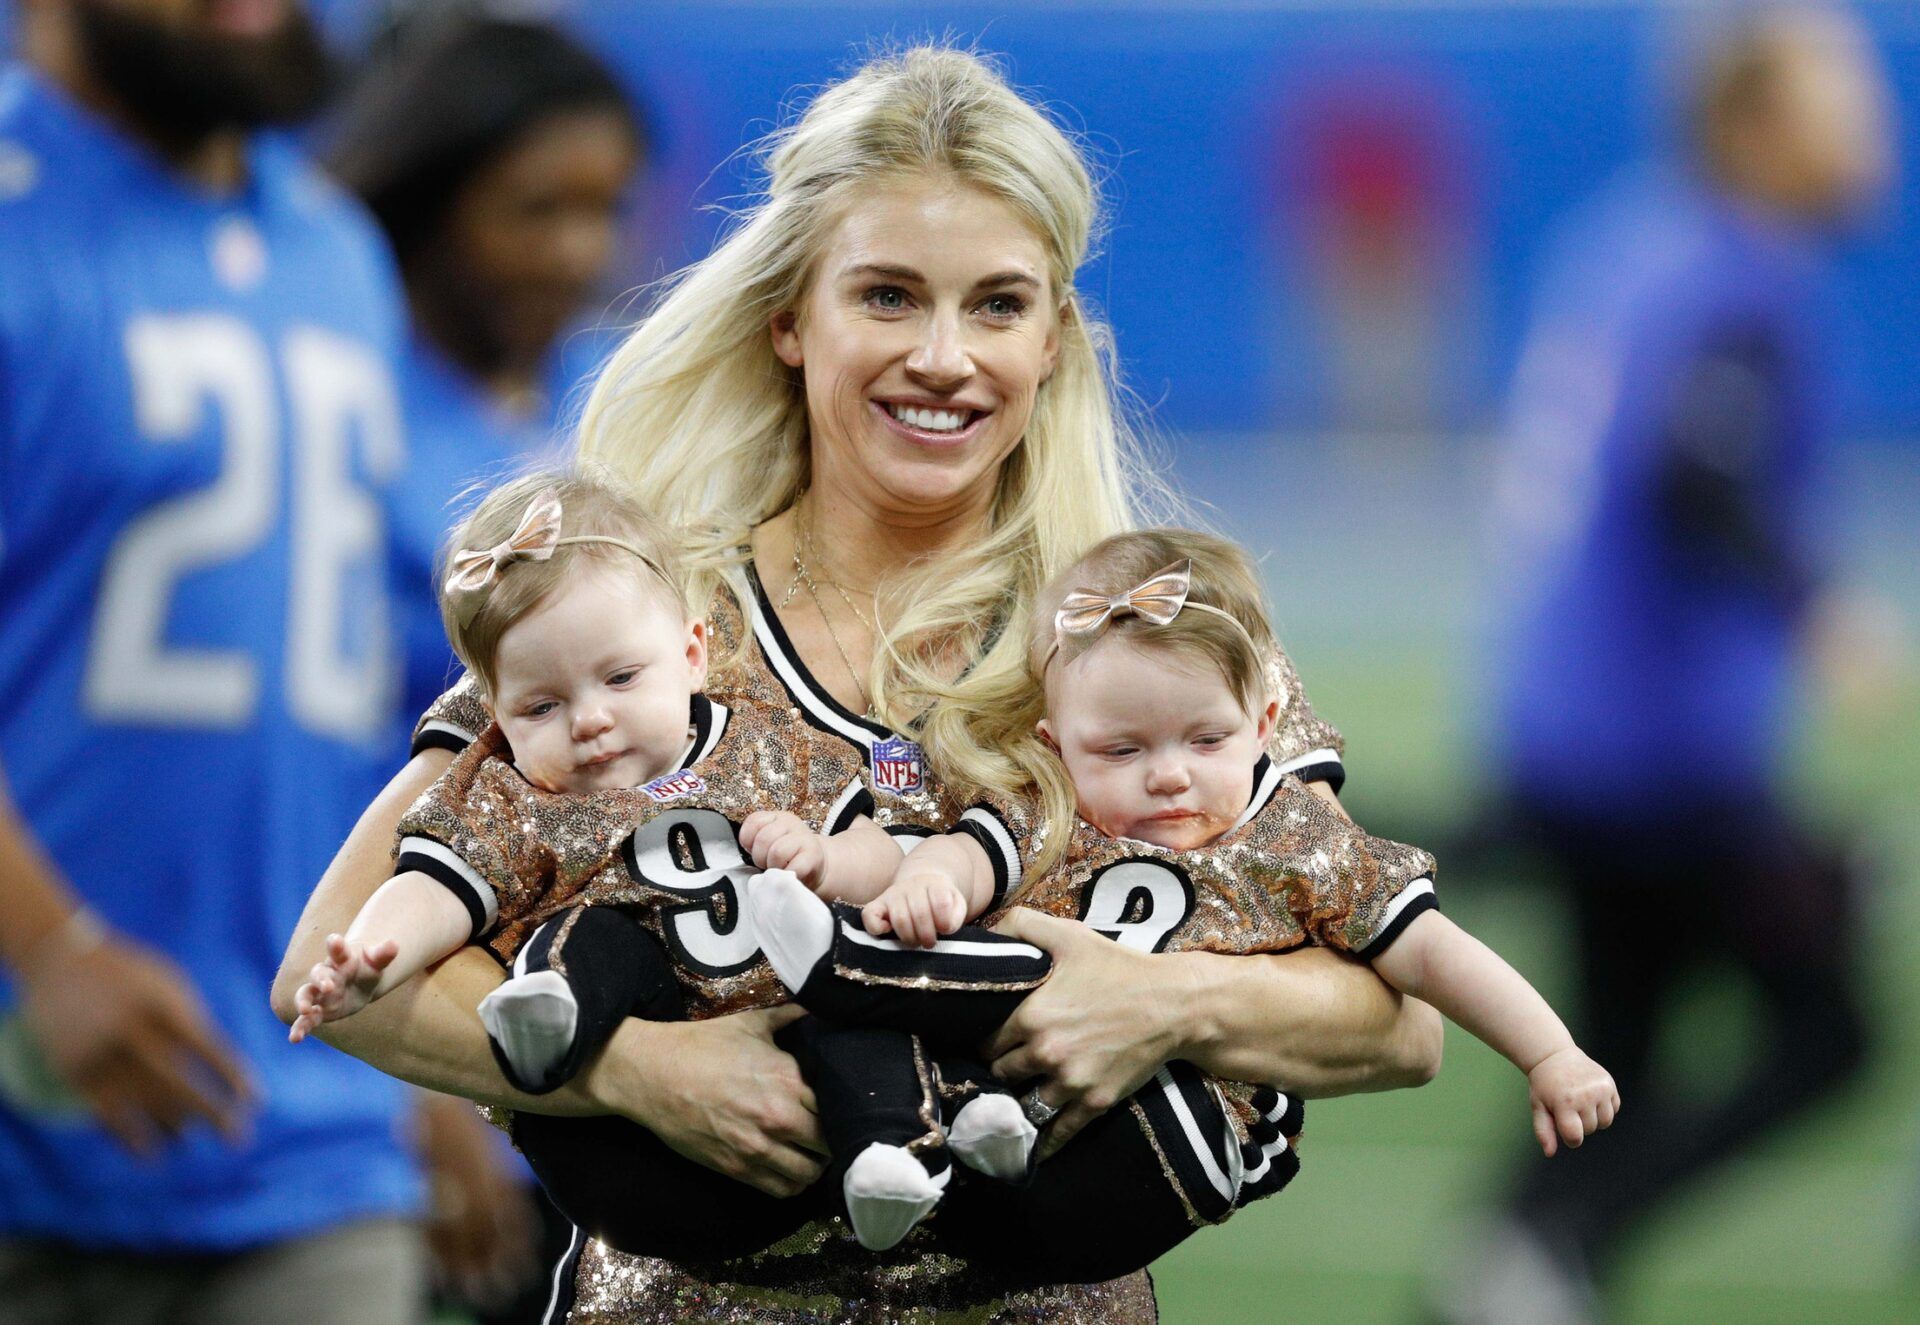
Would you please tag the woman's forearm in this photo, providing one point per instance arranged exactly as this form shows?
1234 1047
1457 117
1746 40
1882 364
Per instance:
1310 1021
428 1030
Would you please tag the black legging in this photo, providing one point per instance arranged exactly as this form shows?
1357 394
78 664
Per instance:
1653 904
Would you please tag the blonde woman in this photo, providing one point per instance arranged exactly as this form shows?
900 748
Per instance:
886 417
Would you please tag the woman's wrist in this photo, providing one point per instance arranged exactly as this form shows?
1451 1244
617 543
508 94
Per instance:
1187 998
620 1080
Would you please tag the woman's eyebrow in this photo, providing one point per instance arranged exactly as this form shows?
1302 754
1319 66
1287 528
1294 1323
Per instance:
886 269
895 272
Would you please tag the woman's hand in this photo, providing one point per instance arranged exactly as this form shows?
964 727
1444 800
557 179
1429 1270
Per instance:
720 1092
1097 1030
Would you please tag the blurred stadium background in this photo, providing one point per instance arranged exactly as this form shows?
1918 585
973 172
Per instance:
1327 217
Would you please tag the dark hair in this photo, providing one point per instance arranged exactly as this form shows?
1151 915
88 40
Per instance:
437 106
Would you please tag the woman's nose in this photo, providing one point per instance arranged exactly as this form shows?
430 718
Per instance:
941 360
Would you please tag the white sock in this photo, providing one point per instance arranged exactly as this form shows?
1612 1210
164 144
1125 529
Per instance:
795 928
888 1191
532 1018
991 1135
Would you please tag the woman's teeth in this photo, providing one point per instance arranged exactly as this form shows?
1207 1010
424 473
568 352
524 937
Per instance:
931 420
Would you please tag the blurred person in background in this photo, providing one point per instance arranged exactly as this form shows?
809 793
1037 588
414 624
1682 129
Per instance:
496 155
197 682
1660 502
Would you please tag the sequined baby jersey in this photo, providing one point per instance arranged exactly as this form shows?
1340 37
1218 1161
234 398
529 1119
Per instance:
516 855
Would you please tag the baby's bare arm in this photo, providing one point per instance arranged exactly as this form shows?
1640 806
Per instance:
1439 962
861 861
418 914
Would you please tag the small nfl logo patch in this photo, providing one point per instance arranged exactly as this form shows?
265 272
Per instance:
897 766
675 785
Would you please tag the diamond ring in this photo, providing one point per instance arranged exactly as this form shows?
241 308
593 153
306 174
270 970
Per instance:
1038 1111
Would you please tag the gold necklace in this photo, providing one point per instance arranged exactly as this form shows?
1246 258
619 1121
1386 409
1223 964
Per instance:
803 577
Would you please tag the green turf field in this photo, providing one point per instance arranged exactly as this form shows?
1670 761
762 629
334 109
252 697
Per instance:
1822 1223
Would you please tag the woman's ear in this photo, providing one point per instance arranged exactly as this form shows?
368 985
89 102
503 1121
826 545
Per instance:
697 653
785 326
1051 359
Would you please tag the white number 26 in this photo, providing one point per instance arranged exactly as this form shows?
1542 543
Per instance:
340 394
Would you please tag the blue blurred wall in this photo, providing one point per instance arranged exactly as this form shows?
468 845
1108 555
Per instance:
1498 117
1199 111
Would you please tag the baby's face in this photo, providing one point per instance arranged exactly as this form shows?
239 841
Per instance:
1159 750
593 685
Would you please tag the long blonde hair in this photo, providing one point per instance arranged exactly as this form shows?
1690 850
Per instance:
701 416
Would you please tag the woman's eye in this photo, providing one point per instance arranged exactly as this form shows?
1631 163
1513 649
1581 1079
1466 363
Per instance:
887 298
1004 307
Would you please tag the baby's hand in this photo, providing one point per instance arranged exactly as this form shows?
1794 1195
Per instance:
917 907
778 840
1572 1096
341 985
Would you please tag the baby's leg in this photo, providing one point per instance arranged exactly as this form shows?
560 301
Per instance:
575 979
880 1114
959 991
1126 1190
987 1126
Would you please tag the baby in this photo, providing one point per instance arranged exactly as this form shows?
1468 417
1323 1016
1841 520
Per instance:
596 839
1153 815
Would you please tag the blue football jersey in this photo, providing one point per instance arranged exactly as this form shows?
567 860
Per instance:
198 671
1640 674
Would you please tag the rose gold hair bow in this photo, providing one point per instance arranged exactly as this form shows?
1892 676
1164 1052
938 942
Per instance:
1157 599
472 573
1084 616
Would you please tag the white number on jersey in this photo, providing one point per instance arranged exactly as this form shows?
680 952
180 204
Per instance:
706 934
1137 903
341 395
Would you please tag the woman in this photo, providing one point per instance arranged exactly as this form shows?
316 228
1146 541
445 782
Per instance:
885 410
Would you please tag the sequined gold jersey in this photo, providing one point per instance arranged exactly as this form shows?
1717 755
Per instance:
516 855
1289 872
821 1276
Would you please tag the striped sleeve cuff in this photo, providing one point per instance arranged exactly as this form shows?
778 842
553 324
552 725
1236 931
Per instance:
1412 900
985 827
855 801
439 734
438 861
1322 765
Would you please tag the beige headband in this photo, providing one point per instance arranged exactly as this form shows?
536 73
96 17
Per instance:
1084 615
472 573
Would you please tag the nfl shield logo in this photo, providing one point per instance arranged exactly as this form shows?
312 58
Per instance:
897 766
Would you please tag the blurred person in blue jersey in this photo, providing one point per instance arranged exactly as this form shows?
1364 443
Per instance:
1661 504
496 155
197 679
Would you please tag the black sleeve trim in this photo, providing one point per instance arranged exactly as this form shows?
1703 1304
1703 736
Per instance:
440 736
1420 905
1330 771
987 828
441 872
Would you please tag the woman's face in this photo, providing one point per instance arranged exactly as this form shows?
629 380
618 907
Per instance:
928 327
534 229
